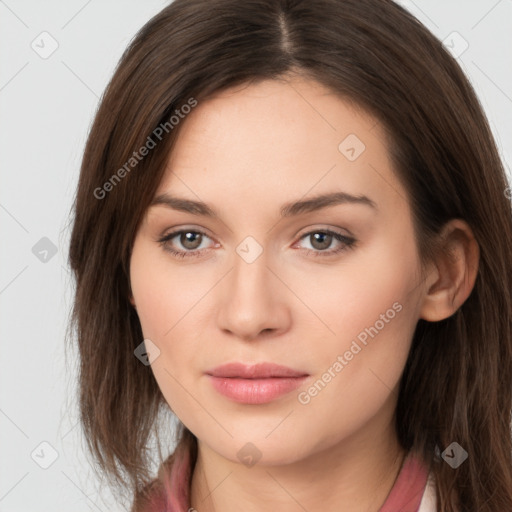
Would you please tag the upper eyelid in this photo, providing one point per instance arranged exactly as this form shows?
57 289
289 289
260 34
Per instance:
174 233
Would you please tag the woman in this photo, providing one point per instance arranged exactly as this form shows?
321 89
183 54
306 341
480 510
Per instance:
292 231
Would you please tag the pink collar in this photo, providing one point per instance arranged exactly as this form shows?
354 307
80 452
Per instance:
406 493
405 496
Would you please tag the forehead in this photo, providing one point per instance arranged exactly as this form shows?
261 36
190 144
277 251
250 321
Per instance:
264 142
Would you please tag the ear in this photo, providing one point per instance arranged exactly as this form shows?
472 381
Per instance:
452 274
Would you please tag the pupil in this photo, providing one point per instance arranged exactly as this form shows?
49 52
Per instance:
323 238
189 238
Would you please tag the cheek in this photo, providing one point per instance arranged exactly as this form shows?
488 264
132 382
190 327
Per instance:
160 305
359 367
168 304
370 308
163 295
347 299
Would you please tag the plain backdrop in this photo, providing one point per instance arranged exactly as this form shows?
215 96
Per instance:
55 60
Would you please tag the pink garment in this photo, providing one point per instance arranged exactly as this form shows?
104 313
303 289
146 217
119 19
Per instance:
405 495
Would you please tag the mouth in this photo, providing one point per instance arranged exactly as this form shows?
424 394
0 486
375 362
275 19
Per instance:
255 384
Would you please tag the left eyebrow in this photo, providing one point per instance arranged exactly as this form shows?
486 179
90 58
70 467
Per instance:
290 209
324 201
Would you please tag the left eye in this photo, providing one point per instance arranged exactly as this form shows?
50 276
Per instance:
322 239
191 241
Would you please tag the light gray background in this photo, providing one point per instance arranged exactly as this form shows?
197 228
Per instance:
46 109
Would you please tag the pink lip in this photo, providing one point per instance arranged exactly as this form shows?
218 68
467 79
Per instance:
255 384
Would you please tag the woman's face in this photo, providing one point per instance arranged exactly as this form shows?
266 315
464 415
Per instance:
257 286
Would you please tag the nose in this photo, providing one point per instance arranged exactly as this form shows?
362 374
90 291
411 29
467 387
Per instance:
252 303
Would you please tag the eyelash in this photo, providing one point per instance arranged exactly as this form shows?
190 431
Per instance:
348 243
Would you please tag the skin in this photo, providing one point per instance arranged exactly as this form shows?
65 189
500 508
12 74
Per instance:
246 152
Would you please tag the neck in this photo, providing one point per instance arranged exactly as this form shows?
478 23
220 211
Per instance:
356 473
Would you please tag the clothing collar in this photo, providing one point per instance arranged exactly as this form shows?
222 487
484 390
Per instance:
413 490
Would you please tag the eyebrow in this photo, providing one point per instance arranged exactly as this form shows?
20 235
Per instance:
290 209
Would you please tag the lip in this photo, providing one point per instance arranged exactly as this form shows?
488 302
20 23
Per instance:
255 384
254 371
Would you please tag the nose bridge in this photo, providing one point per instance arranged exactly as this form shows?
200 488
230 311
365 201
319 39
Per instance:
250 274
250 304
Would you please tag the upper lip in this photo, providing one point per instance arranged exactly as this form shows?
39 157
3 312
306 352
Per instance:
254 371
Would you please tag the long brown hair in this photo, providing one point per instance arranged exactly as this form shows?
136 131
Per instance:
457 382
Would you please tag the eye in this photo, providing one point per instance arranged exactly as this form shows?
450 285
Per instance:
322 239
191 240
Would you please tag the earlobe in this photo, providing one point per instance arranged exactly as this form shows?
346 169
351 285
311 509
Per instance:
456 268
130 294
132 300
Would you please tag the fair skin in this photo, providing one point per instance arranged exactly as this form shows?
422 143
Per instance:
246 152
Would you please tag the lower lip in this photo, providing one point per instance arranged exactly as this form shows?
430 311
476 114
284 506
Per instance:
255 391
